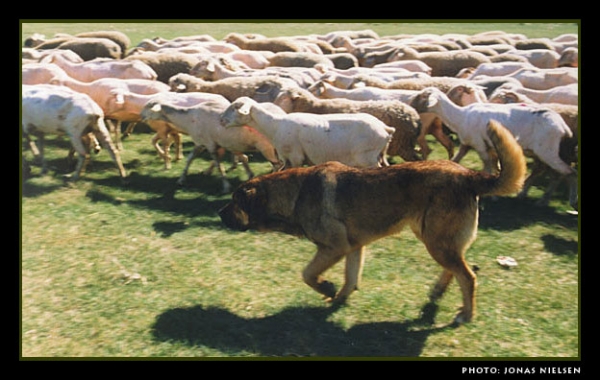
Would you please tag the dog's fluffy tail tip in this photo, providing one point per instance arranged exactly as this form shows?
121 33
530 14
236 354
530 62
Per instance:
512 161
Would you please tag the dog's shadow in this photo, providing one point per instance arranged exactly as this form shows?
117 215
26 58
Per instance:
293 332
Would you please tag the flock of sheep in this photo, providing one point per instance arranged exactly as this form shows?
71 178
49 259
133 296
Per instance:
348 96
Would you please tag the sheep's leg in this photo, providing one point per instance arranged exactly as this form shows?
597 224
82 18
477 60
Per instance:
129 129
115 127
216 155
178 145
437 130
462 151
244 160
83 157
235 161
197 150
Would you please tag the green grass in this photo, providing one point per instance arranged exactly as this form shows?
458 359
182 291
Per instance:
147 270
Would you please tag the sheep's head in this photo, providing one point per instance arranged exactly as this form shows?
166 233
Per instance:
238 113
426 99
504 96
151 111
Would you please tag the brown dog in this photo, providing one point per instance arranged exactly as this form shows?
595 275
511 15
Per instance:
342 209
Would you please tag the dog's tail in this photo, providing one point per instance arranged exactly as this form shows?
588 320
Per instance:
512 162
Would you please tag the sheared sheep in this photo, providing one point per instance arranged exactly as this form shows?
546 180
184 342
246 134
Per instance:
539 131
127 106
60 110
97 69
275 44
202 123
400 116
444 64
357 139
260 88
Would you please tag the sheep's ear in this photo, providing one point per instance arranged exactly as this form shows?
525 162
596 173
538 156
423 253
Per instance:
432 101
156 108
210 67
245 108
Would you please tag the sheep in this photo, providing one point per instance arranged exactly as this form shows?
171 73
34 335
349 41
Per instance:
60 110
127 106
275 44
544 79
260 88
357 139
342 60
403 118
92 48
568 94
117 37
211 69
103 89
569 58
39 73
165 65
540 58
499 68
447 63
539 131
568 148
40 42
299 59
92 70
409 64
39 55
430 124
202 123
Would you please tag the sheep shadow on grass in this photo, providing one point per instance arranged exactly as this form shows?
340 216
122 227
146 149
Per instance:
295 331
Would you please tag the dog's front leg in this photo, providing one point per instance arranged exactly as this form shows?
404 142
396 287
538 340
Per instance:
323 260
354 266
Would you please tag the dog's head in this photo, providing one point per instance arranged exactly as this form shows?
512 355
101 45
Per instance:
247 209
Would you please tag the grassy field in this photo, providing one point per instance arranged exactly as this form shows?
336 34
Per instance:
147 270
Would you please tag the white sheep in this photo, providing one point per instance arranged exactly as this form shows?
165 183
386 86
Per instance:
540 58
91 70
128 106
358 139
103 90
40 73
430 123
445 63
261 88
544 79
202 123
499 68
569 57
539 131
60 110
567 94
568 149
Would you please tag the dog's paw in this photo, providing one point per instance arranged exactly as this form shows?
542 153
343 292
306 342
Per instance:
327 289
462 317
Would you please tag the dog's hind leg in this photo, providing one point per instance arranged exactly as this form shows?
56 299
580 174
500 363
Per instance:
455 266
354 265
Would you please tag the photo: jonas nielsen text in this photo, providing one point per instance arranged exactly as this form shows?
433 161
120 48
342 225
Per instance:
532 370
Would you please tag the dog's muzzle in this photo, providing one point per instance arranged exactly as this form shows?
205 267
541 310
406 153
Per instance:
233 218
